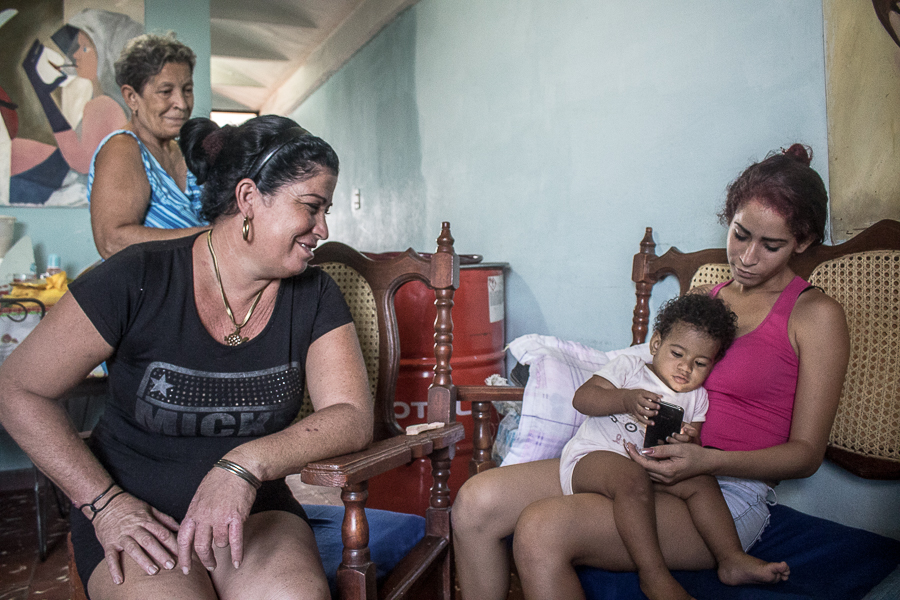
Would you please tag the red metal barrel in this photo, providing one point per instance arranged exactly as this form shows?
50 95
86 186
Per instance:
478 352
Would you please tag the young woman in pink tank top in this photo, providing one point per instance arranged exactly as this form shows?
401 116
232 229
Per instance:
772 403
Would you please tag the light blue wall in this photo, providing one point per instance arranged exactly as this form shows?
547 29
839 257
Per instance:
550 134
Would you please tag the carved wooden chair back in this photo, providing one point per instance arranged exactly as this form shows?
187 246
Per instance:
369 286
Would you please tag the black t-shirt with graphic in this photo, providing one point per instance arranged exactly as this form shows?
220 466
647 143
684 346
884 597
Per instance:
180 399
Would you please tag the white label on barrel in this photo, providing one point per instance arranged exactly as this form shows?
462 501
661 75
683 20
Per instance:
495 298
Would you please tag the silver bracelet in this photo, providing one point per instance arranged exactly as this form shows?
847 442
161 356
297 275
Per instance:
236 469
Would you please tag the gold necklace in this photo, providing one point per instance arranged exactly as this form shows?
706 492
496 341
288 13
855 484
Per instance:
234 338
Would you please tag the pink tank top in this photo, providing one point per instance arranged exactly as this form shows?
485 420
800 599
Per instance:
751 390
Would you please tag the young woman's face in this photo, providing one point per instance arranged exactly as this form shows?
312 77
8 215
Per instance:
760 244
291 224
684 358
85 57
166 101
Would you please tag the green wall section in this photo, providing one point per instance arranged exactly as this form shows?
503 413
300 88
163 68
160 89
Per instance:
189 19
368 113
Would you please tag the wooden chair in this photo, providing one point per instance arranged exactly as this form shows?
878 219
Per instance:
369 286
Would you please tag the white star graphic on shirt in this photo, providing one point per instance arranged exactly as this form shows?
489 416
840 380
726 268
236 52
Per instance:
160 385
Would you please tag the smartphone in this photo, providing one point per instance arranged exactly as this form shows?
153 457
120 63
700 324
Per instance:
666 422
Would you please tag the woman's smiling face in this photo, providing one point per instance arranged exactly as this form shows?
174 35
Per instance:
166 101
292 222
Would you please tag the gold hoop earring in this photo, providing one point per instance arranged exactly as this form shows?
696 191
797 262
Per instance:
245 230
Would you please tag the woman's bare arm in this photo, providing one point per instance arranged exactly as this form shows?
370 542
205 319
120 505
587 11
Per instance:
53 358
342 421
120 197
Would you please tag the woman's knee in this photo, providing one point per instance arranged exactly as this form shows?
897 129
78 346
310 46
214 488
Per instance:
281 562
538 539
475 505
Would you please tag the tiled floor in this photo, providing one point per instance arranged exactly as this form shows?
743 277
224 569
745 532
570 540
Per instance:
23 576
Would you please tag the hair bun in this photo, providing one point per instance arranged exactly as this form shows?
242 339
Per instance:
800 153
214 142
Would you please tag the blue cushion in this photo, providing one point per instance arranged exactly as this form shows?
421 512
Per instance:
828 561
391 536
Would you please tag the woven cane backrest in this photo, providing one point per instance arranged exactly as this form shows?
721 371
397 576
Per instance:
867 284
711 274
359 297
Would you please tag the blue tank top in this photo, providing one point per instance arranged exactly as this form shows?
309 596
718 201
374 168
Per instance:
170 208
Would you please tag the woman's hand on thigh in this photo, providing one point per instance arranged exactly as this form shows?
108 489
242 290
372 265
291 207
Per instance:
216 515
132 526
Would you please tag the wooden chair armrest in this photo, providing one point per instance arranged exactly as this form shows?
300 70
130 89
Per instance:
488 393
380 457
482 437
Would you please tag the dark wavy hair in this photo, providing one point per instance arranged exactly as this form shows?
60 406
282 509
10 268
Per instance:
145 56
785 183
704 313
273 151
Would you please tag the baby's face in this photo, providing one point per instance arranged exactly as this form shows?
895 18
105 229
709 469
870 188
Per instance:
684 358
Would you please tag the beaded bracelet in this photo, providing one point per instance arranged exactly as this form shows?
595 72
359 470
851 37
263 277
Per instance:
92 505
236 469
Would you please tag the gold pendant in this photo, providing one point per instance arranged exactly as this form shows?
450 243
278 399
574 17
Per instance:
235 339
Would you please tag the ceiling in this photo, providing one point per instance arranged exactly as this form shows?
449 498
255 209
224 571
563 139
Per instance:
269 55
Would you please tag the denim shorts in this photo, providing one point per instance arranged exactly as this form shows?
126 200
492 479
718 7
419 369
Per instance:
748 501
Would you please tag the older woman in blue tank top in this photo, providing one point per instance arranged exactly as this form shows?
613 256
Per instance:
139 186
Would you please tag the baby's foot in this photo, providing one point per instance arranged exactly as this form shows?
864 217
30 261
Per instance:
663 587
742 568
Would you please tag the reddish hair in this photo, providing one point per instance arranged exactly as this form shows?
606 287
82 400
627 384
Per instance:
785 183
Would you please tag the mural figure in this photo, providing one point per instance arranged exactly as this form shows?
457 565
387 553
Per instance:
885 9
47 175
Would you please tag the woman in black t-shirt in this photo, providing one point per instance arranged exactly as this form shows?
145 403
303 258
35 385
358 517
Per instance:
210 342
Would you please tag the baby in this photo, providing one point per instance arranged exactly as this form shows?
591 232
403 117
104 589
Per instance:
690 333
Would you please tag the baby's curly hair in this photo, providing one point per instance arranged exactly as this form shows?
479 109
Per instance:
702 312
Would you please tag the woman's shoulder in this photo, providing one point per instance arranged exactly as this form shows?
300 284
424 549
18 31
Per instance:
816 313
120 145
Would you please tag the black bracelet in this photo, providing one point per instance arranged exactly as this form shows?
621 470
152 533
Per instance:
92 505
236 469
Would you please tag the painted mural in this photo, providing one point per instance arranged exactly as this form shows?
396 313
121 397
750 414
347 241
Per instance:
863 100
58 96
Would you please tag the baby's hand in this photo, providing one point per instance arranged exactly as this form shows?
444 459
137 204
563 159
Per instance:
641 404
688 435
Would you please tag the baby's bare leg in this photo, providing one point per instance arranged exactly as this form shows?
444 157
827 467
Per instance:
714 522
634 507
